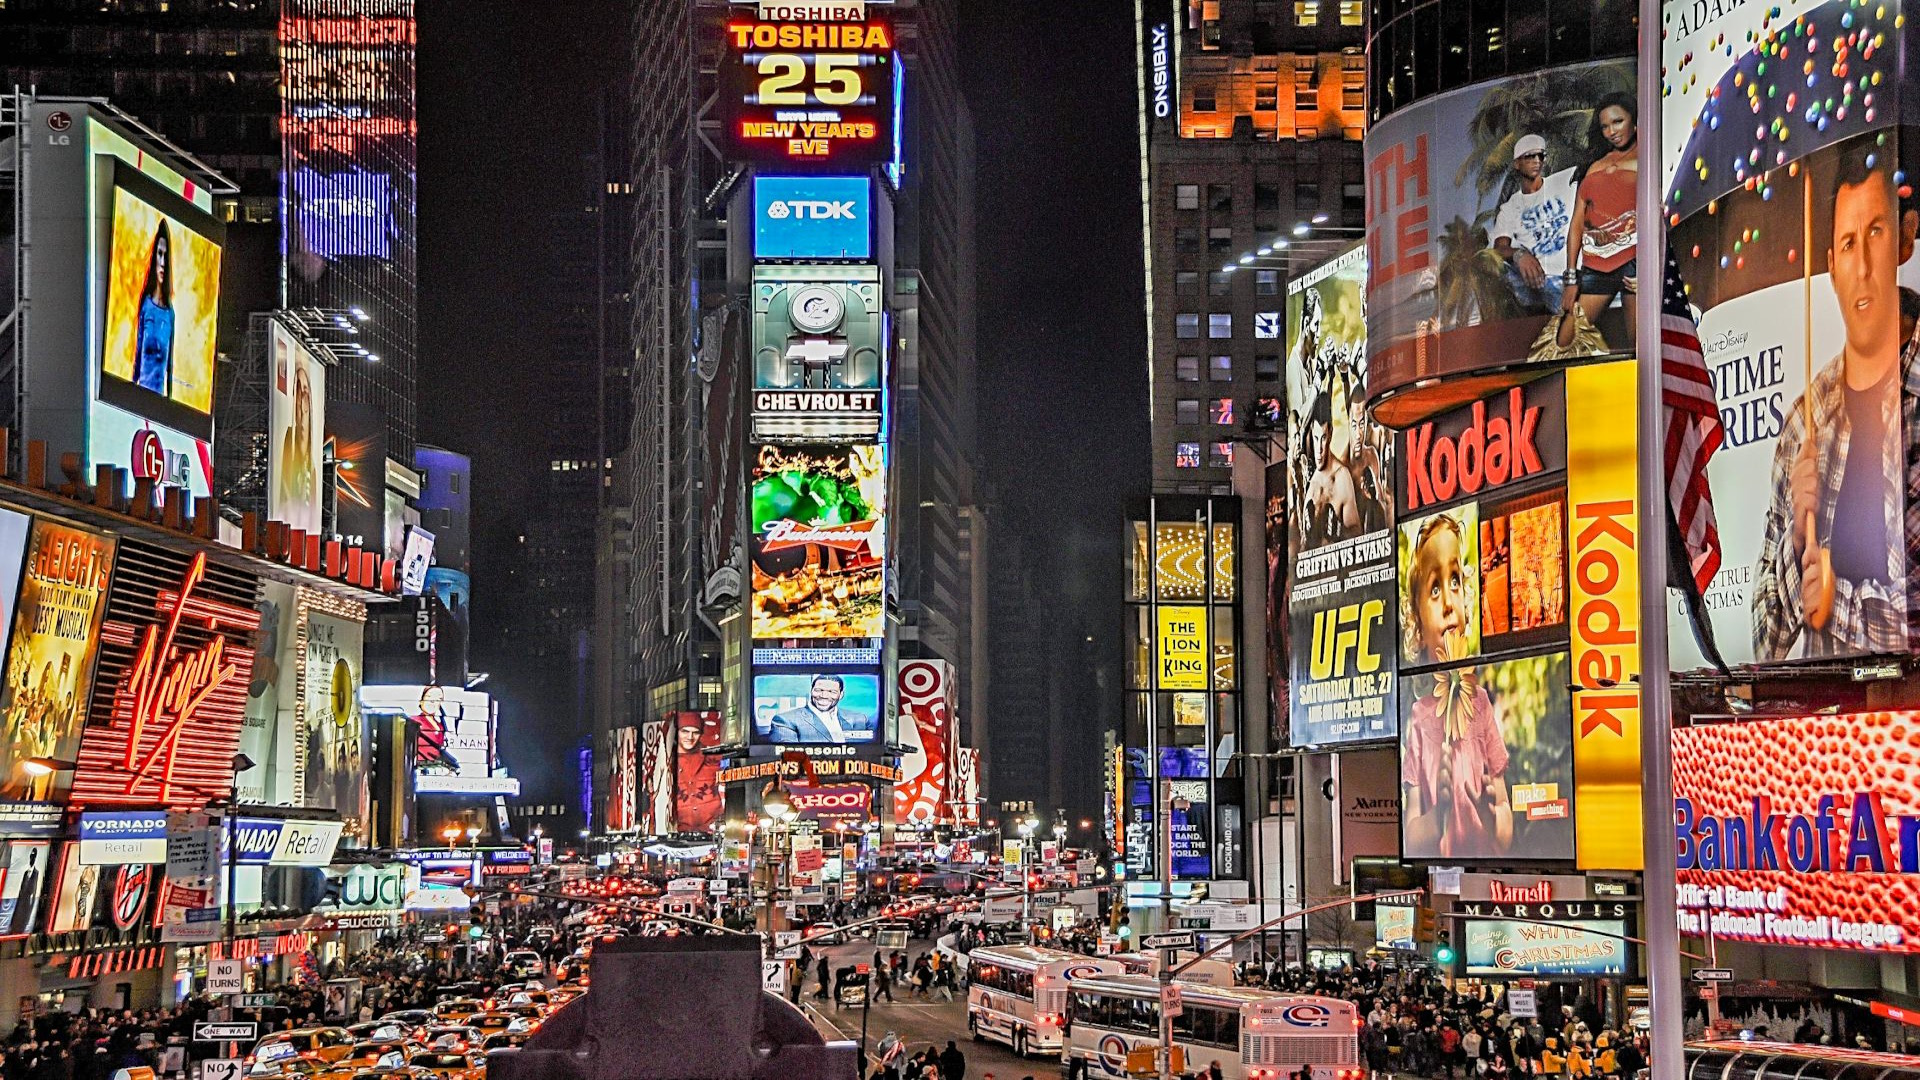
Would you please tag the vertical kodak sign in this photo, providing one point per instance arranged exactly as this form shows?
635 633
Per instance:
1604 529
1181 659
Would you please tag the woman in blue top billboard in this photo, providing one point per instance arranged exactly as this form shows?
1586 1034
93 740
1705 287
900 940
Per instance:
153 335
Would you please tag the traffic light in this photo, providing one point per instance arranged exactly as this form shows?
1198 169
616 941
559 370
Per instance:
1425 921
1443 948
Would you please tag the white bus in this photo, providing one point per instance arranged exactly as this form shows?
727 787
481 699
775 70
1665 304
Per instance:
1252 1034
1017 994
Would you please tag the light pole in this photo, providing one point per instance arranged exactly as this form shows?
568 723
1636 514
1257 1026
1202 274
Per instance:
1027 827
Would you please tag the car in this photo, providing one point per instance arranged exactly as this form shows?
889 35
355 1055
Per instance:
505 1040
456 1038
456 1010
290 1065
525 963
366 1055
325 1044
381 1031
446 1066
539 999
391 1072
413 1018
560 995
490 1023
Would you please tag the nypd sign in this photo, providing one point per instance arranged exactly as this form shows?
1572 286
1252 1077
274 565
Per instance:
812 217
123 839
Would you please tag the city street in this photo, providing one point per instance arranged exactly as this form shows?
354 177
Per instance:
923 1024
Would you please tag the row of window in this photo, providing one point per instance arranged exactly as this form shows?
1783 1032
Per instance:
1186 325
1220 283
1308 12
1266 368
1220 411
1266 197
1004 979
1186 455
1425 47
1195 1024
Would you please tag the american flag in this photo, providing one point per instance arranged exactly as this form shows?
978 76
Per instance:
1693 432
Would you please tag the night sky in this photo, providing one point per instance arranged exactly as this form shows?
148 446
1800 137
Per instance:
505 113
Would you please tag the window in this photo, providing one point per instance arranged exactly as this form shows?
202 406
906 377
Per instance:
1220 198
1266 325
1266 98
1306 197
1186 196
1266 283
1349 12
1186 368
1186 283
1266 197
1220 368
1186 241
1186 411
1219 283
1266 367
1306 12
1353 202
1220 239
1306 87
1186 455
1203 98
1221 411
1220 325
1220 455
1186 325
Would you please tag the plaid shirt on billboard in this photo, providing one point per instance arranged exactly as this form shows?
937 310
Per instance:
1868 616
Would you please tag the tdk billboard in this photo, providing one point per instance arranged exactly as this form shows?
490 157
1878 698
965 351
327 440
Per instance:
812 217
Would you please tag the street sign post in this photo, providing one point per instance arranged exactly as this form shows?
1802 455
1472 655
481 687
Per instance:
222 1068
234 1031
256 1001
1170 1000
225 977
1713 975
773 977
1168 941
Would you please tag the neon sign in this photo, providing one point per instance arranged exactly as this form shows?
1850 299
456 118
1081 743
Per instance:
169 690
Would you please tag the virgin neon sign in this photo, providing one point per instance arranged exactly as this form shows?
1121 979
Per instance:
177 709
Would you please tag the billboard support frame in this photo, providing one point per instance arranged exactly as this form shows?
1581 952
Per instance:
1660 885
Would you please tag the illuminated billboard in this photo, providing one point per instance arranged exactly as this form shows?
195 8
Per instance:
167 733
456 754
349 212
818 547
1475 250
808 95
50 657
698 805
929 705
819 352
296 411
1792 224
162 305
337 752
622 780
1340 482
817 708
1800 831
812 217
1500 947
655 783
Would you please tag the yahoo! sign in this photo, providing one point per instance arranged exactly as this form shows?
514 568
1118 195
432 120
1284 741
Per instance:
831 801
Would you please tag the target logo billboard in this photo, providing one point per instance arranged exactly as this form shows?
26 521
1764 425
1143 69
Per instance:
131 885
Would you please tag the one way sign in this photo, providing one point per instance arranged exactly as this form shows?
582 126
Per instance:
232 1032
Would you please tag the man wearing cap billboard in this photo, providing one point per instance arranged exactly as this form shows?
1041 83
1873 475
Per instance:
1530 228
1831 579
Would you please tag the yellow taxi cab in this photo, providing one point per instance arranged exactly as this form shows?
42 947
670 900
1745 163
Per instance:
367 1055
451 1038
541 999
292 1066
456 1010
445 1066
325 1045
560 995
532 1014
391 1072
493 1023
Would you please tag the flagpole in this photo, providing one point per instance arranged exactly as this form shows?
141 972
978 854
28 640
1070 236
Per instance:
1659 895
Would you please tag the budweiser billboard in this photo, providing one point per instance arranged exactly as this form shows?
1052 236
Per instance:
929 698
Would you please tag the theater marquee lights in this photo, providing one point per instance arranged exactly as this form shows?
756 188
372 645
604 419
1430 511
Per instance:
808 94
